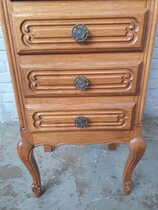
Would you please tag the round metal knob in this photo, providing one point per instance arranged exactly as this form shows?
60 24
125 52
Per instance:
81 83
80 33
81 122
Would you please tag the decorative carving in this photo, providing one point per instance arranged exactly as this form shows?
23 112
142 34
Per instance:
121 119
127 187
114 81
36 189
129 27
46 34
108 119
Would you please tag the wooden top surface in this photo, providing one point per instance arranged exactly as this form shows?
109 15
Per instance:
44 0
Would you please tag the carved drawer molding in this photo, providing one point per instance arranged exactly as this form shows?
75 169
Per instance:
107 79
119 31
61 118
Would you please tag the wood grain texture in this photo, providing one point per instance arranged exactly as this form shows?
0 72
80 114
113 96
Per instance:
13 62
81 138
146 56
103 78
115 31
61 118
45 60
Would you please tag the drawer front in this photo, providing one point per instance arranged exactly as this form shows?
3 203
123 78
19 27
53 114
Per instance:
106 31
82 117
82 79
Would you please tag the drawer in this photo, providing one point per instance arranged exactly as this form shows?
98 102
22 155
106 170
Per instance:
49 28
58 79
80 117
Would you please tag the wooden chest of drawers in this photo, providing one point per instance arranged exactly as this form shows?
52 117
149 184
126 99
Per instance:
80 71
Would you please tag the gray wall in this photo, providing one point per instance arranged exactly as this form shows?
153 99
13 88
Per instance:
151 107
7 104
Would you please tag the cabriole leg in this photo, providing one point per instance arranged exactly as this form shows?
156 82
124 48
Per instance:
137 148
25 152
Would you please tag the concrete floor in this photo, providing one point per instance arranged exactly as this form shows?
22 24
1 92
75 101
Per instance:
78 177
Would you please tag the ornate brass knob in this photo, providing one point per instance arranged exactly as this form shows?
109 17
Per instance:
81 122
80 33
81 83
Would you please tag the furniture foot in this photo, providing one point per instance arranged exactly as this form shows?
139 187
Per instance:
25 152
137 149
112 146
48 148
